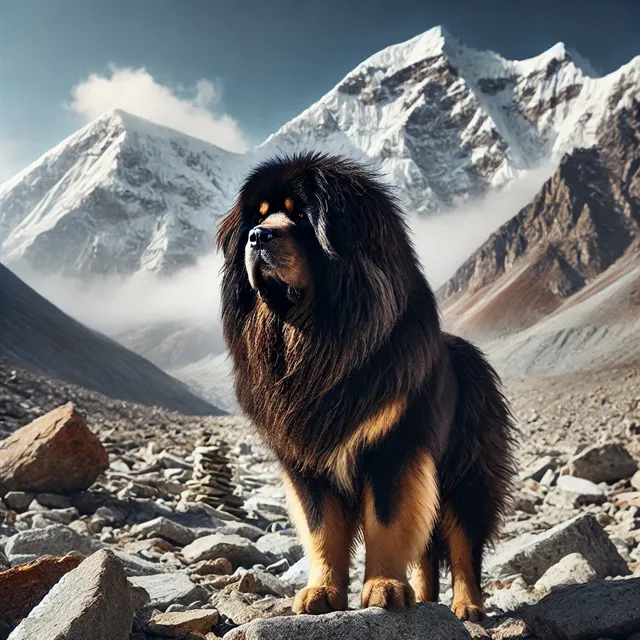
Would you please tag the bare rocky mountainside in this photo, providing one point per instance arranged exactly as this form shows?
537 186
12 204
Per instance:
35 333
130 509
569 260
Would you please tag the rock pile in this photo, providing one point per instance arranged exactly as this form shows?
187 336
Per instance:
211 480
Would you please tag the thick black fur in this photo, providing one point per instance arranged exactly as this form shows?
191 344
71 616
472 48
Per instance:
312 364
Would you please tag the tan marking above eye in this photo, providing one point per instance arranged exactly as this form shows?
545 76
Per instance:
288 204
264 208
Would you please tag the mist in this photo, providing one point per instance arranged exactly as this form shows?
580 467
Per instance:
114 305
192 296
444 241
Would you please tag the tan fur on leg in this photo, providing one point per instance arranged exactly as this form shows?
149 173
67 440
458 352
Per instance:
424 579
467 598
329 550
390 548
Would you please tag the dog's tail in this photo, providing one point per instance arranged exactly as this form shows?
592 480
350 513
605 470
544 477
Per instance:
478 469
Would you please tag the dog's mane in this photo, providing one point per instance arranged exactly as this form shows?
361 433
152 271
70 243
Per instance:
298 374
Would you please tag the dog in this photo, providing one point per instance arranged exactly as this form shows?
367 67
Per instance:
388 430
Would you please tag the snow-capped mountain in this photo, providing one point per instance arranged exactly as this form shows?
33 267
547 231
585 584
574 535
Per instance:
443 122
119 196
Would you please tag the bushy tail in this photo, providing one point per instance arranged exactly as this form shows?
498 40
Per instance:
477 471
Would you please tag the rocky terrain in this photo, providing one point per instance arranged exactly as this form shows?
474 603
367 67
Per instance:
183 522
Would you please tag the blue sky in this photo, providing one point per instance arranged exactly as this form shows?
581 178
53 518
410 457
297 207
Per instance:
237 70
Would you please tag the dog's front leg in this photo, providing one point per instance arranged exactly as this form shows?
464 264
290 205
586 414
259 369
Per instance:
327 536
400 511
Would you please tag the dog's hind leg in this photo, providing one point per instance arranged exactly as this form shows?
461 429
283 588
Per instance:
327 535
465 559
398 519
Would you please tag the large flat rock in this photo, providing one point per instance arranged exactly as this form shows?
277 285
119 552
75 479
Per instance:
426 621
54 540
239 551
165 589
604 609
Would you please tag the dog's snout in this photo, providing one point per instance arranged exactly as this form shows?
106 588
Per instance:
259 236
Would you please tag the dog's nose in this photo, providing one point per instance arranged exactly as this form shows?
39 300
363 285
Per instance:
259 236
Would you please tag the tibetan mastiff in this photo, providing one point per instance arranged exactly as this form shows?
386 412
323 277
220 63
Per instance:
388 430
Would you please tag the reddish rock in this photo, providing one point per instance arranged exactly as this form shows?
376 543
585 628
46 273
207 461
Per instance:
55 453
22 587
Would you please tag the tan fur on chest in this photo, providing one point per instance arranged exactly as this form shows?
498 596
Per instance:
341 462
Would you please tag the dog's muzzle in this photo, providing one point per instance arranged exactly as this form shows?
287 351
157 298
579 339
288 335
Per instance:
259 236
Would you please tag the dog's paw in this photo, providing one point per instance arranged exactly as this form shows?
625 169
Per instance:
387 593
468 611
316 600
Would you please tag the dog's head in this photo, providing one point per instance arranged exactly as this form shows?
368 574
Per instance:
318 230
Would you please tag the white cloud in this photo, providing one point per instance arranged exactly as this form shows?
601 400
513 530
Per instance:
136 91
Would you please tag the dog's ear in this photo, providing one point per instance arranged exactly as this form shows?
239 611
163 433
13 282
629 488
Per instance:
324 232
229 231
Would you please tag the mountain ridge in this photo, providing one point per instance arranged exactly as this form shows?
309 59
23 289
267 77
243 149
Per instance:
577 238
38 335
444 124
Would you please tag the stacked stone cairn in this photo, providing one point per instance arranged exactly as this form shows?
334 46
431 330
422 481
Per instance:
211 482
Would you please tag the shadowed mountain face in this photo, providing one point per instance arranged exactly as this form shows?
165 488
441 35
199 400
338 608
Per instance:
35 333
584 220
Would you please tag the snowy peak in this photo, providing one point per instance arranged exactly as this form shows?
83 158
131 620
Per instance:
446 123
120 195
442 122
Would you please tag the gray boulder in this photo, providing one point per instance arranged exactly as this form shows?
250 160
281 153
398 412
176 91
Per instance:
604 609
603 463
242 529
18 500
54 540
242 608
266 584
134 565
572 569
425 620
165 589
93 601
582 491
239 551
164 528
281 545
531 555
298 574
180 624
